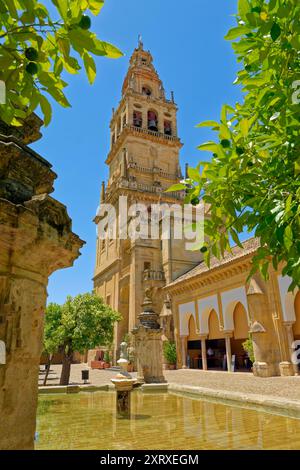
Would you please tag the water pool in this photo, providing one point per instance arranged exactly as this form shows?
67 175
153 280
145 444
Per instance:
159 421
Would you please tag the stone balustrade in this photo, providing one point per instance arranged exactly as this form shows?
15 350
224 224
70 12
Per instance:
142 130
134 185
152 275
157 171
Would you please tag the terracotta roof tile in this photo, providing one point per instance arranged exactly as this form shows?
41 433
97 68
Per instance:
249 246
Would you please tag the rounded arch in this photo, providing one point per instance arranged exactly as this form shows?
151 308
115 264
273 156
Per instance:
137 118
296 325
146 90
152 120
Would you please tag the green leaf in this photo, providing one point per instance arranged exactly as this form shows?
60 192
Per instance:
12 8
59 96
272 5
209 146
107 49
46 109
275 31
243 8
235 238
194 174
237 32
224 132
208 124
90 67
62 6
176 187
95 6
244 125
63 45
71 64
288 237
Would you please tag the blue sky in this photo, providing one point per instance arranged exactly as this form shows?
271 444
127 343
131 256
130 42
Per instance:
187 42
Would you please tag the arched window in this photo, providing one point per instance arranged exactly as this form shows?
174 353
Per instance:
168 127
137 119
152 121
146 91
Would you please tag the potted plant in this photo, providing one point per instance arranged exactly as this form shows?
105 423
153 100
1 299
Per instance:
169 349
248 347
106 360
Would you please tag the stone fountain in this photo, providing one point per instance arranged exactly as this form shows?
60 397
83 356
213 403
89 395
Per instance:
123 383
148 344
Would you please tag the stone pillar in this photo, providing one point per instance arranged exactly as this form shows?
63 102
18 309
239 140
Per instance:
35 240
144 112
161 120
123 388
132 291
148 344
289 368
265 341
183 352
203 352
228 335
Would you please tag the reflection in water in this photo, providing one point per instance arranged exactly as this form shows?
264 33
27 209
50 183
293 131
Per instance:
159 421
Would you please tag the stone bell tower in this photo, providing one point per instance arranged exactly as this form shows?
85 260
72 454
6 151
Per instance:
143 162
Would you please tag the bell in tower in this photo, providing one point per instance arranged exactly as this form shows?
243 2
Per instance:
152 121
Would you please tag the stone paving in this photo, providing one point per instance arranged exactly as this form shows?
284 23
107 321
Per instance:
276 387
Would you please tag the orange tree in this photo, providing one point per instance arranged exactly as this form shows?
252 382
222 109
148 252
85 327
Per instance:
37 46
81 323
252 180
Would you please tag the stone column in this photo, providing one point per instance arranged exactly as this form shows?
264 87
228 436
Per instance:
183 352
123 386
228 335
161 120
203 351
148 344
289 368
265 341
132 291
35 240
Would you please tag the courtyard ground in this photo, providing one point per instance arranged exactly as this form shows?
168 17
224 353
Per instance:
287 388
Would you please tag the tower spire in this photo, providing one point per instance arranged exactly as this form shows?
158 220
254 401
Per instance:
140 42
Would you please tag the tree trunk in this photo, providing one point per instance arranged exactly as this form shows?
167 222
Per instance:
66 368
49 360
